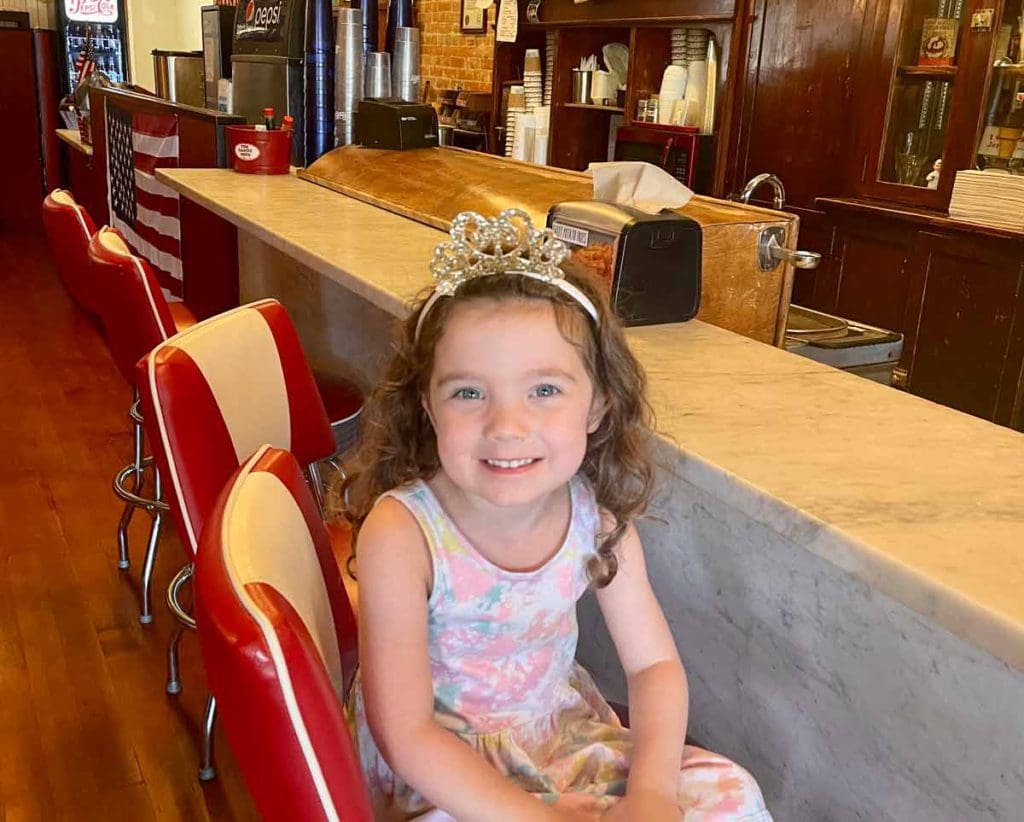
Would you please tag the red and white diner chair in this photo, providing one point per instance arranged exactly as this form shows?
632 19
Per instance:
211 396
68 230
278 640
135 317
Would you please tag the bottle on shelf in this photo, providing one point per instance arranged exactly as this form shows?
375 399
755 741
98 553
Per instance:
995 147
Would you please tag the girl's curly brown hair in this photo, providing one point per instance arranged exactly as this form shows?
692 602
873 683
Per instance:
397 443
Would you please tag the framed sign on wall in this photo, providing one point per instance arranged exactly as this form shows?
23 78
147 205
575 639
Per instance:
474 18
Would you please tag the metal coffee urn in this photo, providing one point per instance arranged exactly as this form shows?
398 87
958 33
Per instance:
268 65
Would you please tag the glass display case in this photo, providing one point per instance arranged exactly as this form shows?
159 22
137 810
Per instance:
917 123
1000 145
945 95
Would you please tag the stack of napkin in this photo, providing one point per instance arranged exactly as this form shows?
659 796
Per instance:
992 198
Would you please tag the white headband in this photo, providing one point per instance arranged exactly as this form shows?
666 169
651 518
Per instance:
478 249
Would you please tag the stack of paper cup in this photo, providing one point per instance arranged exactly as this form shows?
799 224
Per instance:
516 106
549 65
405 73
679 54
348 68
697 44
673 89
533 80
378 74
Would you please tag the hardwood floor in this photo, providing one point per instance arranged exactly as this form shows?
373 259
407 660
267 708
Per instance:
86 730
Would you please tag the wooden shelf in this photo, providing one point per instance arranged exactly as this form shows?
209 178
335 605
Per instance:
592 107
1011 69
934 72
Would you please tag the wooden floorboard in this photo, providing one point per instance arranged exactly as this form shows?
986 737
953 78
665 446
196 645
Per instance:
86 729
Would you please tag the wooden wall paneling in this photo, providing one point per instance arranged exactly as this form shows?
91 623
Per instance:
964 330
209 253
817 233
793 113
19 138
98 118
872 279
47 96
1010 402
650 51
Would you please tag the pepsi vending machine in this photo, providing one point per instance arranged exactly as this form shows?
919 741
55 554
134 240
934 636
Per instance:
102 24
267 64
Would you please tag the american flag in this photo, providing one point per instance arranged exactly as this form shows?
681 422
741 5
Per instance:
84 63
142 208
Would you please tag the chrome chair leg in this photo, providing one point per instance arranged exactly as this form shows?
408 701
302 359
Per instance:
123 560
185 621
173 674
146 616
316 484
206 769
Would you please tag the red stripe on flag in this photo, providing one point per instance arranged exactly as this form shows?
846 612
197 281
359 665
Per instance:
161 242
167 206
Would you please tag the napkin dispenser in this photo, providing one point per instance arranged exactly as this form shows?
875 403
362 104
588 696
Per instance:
384 122
651 262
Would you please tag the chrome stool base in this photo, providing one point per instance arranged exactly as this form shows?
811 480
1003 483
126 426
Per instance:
155 506
207 771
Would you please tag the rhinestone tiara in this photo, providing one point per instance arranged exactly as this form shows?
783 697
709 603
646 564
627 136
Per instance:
506 244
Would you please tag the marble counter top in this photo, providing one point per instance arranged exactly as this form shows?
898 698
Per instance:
74 139
921 502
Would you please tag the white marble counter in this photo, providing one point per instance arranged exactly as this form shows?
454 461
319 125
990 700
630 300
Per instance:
841 563
921 502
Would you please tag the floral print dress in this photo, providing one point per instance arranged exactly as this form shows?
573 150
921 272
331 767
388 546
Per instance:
502 648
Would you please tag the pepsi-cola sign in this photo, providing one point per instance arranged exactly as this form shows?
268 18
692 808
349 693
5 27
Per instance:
262 20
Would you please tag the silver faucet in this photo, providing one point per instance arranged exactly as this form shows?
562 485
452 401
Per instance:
780 192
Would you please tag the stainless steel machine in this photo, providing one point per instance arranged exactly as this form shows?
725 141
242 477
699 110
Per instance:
218 38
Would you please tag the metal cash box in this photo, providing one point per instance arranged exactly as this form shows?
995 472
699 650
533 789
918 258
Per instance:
652 262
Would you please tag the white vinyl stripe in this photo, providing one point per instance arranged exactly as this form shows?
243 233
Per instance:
168 262
161 424
151 185
228 534
239 367
161 223
155 146
165 332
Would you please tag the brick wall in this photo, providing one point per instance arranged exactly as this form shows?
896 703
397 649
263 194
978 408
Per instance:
450 58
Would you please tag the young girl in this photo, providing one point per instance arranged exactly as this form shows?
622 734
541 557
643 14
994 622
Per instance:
502 463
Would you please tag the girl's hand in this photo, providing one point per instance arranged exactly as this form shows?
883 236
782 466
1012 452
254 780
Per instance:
576 807
644 807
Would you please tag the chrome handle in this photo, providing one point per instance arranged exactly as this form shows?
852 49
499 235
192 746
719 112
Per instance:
770 251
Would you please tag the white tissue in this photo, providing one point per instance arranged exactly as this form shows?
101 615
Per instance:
640 185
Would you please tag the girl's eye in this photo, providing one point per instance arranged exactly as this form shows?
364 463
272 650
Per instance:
547 390
467 394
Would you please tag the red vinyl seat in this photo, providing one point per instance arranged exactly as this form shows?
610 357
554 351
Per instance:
278 640
211 396
68 230
135 317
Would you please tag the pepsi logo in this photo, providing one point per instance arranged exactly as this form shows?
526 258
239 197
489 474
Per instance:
250 12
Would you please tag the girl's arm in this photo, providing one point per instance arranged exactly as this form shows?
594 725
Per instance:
658 695
394 575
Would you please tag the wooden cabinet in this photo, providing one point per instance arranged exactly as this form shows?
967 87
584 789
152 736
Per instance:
956 294
579 134
964 324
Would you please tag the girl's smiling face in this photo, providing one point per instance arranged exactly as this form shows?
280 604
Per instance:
511 402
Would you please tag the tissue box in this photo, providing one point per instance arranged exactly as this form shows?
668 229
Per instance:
652 262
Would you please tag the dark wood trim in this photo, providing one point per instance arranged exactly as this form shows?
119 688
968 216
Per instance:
909 214
627 12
